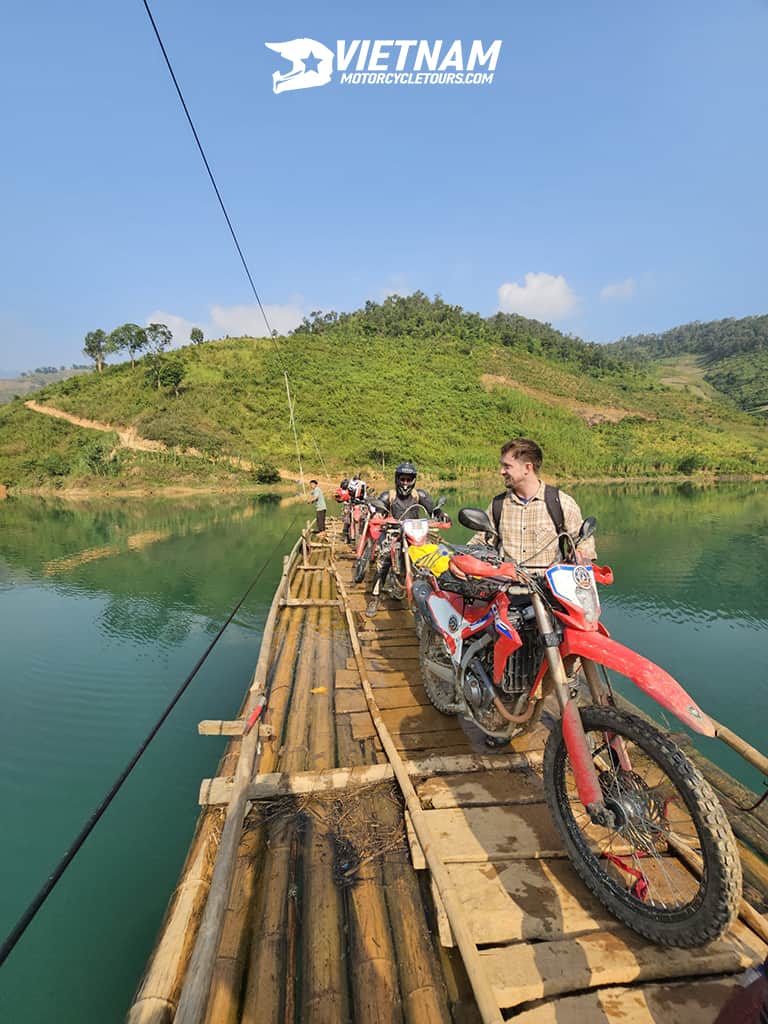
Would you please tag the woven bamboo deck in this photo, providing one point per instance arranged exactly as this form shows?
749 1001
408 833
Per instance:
361 858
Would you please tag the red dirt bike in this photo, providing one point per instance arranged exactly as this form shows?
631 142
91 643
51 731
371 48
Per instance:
359 512
391 538
628 804
369 538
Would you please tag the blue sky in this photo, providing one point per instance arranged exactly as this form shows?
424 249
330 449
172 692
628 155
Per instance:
611 179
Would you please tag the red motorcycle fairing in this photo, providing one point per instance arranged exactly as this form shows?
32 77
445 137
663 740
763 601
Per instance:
652 679
508 640
472 619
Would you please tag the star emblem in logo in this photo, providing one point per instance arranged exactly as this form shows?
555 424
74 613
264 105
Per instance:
311 62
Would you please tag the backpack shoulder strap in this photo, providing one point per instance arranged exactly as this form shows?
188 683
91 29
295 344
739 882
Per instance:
496 507
554 507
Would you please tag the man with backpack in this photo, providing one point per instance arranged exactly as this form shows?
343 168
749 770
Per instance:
529 516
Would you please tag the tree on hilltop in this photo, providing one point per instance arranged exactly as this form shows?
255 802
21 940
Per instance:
196 336
96 347
159 337
130 337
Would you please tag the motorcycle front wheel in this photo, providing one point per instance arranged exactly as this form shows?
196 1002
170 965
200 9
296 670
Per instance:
666 817
362 563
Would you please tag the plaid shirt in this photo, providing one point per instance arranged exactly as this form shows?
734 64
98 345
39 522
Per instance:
527 530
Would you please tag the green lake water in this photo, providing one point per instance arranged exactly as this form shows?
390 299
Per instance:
106 607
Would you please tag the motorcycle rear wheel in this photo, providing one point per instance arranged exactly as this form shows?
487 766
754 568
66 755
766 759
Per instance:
362 563
662 804
440 692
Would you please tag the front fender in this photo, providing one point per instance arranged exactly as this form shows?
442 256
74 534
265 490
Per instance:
653 680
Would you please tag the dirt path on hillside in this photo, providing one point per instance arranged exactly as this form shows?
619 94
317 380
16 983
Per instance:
591 414
129 437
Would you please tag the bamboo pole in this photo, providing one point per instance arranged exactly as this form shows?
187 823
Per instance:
324 984
372 955
194 993
486 1000
272 970
747 751
232 957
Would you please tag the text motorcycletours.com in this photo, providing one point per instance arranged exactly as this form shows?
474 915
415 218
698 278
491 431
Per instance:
385 62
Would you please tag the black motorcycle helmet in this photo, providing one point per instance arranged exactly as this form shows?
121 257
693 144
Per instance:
344 484
405 479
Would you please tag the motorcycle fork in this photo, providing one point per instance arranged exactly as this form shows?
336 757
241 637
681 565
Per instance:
602 696
585 774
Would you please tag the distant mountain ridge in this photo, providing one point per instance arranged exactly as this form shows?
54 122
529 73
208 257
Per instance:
732 355
410 377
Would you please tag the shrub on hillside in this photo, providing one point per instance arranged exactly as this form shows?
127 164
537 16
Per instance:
266 473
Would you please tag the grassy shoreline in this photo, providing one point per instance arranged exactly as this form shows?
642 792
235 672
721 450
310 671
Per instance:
288 491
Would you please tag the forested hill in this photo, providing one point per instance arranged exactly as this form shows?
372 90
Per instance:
409 377
730 356
718 339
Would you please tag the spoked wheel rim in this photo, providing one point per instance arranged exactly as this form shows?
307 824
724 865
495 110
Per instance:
666 821
638 858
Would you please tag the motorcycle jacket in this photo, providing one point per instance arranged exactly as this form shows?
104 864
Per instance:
398 506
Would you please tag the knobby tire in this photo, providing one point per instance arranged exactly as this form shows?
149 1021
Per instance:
665 796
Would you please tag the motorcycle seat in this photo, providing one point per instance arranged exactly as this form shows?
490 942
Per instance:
476 567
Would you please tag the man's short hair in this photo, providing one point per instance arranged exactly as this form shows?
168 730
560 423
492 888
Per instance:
313 481
525 449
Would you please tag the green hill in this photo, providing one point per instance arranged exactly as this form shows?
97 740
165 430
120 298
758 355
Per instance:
410 377
731 356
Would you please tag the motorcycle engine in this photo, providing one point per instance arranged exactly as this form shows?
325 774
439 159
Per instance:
473 690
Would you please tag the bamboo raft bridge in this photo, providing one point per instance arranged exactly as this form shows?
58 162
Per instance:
357 860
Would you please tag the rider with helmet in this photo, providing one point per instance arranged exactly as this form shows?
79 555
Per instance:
406 493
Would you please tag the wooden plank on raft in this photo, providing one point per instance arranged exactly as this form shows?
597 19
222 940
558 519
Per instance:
216 727
528 901
277 784
525 972
269 785
675 1003
478 834
348 700
419 719
349 678
487 788
308 602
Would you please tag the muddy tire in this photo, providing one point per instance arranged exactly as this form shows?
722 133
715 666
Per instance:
661 804
441 693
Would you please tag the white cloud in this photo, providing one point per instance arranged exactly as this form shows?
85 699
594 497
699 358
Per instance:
543 297
180 327
233 320
397 284
239 320
622 290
